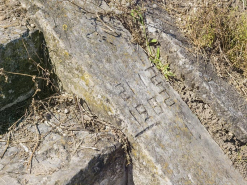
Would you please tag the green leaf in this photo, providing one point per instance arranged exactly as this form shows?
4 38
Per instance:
133 13
158 53
153 41
141 18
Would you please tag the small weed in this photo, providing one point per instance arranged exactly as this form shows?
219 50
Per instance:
242 156
221 30
153 53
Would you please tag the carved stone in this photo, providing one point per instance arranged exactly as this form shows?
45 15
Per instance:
95 59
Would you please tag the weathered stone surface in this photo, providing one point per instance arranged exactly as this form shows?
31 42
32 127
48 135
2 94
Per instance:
66 153
14 58
17 45
198 74
22 49
12 21
97 61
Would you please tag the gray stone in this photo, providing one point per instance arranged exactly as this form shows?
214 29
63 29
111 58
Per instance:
14 58
21 51
198 74
57 152
74 159
97 61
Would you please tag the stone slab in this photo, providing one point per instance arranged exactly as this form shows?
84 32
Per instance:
96 60
197 73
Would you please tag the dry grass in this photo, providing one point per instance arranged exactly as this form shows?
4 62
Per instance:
217 29
222 30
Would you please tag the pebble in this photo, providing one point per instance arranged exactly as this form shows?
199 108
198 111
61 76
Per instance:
2 17
86 118
32 25
118 12
66 111
154 5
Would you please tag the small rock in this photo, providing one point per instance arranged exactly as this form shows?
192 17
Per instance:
230 134
127 4
47 116
86 118
3 17
66 111
118 12
32 25
154 5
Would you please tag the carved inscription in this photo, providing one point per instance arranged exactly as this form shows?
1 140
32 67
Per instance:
142 111
146 129
122 92
167 100
145 113
157 81
164 94
155 105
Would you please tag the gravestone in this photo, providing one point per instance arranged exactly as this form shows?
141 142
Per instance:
95 60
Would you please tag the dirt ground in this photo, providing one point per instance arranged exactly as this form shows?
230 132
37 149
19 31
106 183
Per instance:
183 10
13 20
219 130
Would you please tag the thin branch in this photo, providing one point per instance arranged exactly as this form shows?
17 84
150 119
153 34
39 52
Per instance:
35 148
6 146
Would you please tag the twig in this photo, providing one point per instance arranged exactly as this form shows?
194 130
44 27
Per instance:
24 147
14 124
33 76
80 108
35 147
49 111
77 147
229 72
110 29
6 146
88 147
70 1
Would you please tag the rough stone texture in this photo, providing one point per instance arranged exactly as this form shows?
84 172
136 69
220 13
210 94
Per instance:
12 21
13 54
54 163
14 58
198 74
18 42
66 153
97 61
